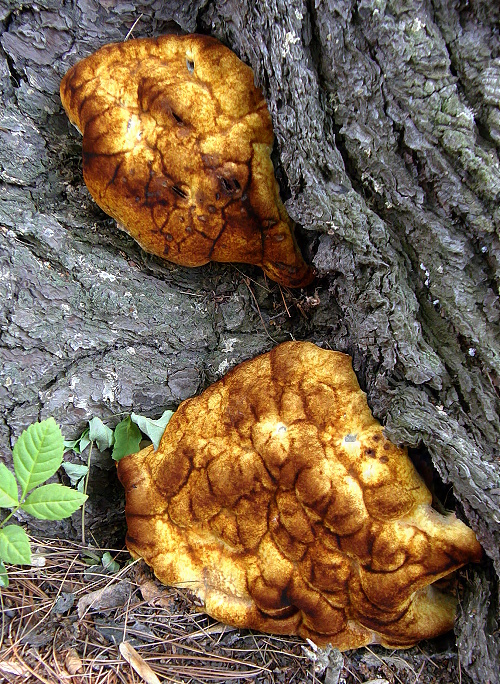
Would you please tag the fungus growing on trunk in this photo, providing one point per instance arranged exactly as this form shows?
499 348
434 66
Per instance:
176 147
276 498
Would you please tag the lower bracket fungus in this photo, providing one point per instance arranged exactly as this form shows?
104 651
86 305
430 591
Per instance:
176 147
276 498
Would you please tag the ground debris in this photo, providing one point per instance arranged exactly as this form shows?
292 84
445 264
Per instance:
112 595
175 641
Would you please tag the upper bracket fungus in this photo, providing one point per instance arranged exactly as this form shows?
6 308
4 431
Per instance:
176 147
277 499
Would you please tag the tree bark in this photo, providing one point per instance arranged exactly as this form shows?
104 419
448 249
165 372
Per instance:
387 125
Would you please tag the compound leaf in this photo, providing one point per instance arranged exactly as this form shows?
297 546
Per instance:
53 502
14 545
8 488
38 453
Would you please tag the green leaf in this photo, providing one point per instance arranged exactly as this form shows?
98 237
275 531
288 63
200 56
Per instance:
80 444
8 488
127 439
109 562
84 440
91 558
38 453
53 502
101 434
154 429
14 545
75 472
4 578
73 444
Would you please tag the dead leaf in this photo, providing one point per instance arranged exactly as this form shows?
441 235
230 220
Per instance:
14 667
137 663
72 662
156 595
112 596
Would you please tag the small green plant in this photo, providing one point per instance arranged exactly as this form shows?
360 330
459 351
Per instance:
124 439
109 562
37 455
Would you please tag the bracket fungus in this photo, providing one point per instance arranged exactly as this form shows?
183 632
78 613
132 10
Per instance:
276 498
176 147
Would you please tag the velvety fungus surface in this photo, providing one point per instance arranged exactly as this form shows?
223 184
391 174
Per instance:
176 147
276 497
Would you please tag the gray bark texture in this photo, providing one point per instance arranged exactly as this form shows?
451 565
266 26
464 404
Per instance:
387 125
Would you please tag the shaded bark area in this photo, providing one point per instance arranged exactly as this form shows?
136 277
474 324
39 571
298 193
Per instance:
387 125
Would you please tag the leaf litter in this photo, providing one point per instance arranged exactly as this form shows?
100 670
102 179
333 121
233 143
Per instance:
63 621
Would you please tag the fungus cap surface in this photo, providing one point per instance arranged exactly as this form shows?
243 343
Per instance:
176 147
277 499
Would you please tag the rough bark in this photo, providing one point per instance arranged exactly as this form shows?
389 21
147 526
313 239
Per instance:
387 125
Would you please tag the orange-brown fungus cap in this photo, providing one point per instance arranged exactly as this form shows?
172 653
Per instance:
277 499
176 147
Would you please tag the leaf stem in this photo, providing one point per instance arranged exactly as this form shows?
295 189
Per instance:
14 510
85 490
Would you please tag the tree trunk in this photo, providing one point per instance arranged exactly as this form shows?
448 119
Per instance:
387 125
